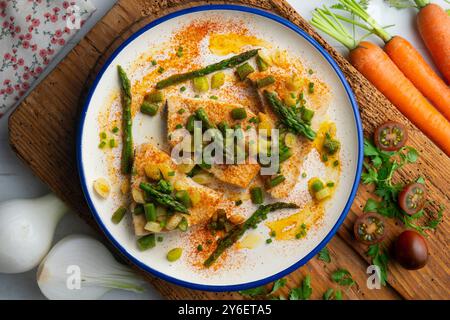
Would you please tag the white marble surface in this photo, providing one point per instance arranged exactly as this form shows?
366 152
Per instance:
17 181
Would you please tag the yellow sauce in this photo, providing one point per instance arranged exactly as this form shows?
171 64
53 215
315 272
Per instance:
330 127
287 228
250 241
223 44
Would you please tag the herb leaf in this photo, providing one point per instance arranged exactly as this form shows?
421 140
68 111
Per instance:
380 258
280 283
324 255
254 292
330 294
342 277
303 292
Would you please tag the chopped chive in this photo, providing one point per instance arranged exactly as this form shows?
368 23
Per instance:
311 71
102 144
324 158
199 247
153 62
335 163
197 96
304 175
183 89
178 126
181 111
273 234
102 135
112 143
160 70
171 173
238 202
330 184
268 241
159 239
209 241
118 215
214 97
180 52
115 130
248 127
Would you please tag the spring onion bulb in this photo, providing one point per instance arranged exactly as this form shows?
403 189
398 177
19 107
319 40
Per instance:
26 231
80 267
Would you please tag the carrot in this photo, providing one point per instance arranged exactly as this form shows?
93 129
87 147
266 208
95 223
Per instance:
378 68
434 27
407 59
416 69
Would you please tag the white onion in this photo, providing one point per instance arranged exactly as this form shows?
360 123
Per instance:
80 267
27 227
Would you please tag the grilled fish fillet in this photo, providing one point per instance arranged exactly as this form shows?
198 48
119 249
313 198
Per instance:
291 167
238 175
201 212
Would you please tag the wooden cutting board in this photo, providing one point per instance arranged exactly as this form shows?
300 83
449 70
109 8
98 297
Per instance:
43 129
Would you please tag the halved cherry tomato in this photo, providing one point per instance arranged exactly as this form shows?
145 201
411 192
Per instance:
412 198
369 228
390 136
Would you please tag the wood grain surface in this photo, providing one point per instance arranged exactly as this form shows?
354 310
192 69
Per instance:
43 131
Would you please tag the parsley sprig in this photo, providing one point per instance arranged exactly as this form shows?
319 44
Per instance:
324 255
379 258
379 171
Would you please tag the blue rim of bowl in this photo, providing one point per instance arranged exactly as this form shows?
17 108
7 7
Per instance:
304 260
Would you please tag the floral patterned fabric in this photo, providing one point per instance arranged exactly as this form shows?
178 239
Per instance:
31 33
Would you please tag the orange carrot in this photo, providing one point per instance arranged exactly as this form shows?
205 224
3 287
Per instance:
379 69
416 69
434 27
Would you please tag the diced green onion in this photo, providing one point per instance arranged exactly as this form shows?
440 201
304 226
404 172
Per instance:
244 70
149 108
183 89
307 115
238 202
311 87
181 111
183 197
323 194
160 70
102 144
271 183
200 84
153 62
112 143
178 126
118 215
257 195
261 64
102 135
217 80
150 212
159 239
317 185
199 247
146 242
174 254
155 96
238 114
330 184
115 130
183 225
268 241
264 82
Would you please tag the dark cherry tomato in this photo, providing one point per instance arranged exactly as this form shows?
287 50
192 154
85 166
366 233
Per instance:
390 136
411 250
369 228
412 198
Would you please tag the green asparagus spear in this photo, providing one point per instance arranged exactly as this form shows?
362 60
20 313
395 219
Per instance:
288 117
162 198
127 150
238 231
224 64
